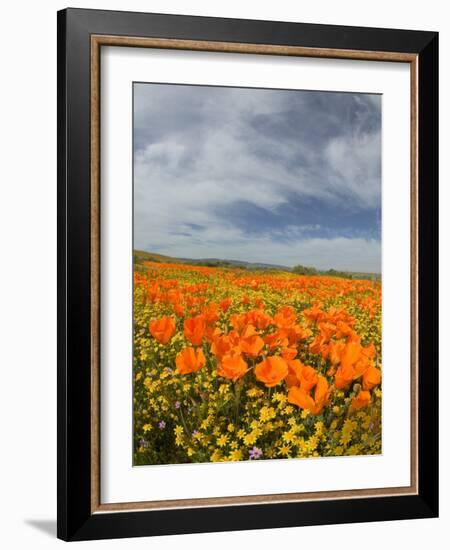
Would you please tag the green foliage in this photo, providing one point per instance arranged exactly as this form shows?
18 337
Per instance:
304 270
341 274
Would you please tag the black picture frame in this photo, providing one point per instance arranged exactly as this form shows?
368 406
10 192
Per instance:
75 518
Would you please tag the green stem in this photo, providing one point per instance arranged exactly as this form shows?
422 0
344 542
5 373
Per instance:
237 400
184 422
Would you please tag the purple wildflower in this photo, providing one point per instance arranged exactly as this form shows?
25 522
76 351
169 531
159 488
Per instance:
255 453
177 404
162 425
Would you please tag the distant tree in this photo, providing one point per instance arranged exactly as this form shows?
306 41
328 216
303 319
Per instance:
342 274
304 270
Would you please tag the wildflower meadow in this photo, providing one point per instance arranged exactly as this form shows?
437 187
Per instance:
233 364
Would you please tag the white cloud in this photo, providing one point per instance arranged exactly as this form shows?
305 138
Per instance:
229 243
355 163
199 153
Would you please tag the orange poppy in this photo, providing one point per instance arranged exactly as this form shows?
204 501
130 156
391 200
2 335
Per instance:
351 353
343 330
210 331
322 392
336 349
224 344
295 367
297 333
369 351
238 322
316 345
271 371
285 317
314 313
258 318
210 313
173 296
360 367
302 398
371 378
178 310
254 285
194 329
321 343
153 292
259 303
225 304
343 377
162 329
361 400
275 339
320 346
327 330
251 343
331 371
232 367
190 360
308 378
354 363
288 354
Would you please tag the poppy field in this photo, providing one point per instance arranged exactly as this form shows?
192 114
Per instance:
232 364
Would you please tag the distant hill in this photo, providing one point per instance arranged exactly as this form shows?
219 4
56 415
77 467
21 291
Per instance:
143 256
140 256
235 263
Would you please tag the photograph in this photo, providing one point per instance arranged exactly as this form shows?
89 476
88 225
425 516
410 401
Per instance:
257 294
247 287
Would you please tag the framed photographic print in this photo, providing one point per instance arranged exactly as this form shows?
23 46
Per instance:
247 254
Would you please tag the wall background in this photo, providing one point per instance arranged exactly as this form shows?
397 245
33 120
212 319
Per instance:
28 272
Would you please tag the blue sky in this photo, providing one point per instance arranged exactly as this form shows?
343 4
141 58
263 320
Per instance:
276 176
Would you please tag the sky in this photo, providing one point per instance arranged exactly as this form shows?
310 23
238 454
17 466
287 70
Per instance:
284 177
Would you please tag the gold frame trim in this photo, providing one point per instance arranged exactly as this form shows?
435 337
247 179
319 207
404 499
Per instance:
97 41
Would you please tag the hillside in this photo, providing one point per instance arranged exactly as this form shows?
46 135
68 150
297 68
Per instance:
140 256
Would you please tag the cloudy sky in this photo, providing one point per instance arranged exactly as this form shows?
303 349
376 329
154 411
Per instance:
275 176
